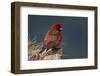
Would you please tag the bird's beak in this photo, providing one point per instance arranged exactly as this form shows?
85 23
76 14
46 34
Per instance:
61 29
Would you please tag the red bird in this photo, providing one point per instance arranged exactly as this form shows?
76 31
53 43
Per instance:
53 38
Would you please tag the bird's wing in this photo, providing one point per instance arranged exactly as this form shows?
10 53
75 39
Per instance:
52 32
52 35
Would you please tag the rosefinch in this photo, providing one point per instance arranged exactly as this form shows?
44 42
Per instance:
53 38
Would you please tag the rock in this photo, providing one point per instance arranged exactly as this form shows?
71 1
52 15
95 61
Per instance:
35 47
49 55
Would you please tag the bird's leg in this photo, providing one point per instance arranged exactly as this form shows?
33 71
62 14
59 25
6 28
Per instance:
42 50
45 52
47 49
55 49
42 53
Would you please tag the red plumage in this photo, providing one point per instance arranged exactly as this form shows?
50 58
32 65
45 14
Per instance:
53 38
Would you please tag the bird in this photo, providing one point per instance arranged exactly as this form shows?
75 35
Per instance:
53 38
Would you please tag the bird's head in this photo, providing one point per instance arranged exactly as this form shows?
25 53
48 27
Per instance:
57 26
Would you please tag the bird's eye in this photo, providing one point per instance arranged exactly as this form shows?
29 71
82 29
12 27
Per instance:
61 29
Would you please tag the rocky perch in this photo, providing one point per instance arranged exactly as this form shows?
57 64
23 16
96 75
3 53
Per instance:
35 47
46 55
